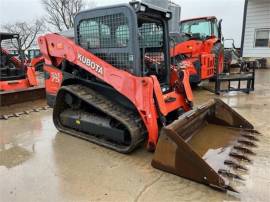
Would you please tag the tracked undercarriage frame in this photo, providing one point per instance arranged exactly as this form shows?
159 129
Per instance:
124 135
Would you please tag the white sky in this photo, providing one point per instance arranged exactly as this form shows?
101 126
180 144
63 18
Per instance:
231 11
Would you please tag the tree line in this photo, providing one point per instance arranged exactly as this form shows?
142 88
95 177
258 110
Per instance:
59 17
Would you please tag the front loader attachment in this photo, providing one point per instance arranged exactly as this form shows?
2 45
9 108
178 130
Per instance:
209 145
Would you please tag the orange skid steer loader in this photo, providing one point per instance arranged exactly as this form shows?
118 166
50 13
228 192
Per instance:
113 85
18 81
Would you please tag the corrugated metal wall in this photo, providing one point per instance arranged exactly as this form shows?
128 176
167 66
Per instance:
258 16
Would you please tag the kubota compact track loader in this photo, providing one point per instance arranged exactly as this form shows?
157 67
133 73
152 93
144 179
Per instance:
199 48
18 82
115 87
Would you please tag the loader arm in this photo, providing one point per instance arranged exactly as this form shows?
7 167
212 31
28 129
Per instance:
139 90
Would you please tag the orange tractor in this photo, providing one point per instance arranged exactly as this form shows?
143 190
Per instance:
18 81
114 85
199 48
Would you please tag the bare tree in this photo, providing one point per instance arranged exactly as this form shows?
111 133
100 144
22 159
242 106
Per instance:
60 13
28 33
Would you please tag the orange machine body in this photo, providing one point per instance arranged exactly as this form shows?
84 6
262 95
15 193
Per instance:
139 90
29 80
20 84
200 50
36 61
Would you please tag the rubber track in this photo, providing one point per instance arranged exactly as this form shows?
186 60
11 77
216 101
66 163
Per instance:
131 120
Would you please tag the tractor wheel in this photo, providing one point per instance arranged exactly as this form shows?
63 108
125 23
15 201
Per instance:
227 60
218 51
194 85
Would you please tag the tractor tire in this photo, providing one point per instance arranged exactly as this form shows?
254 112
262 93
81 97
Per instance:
218 51
227 60
194 85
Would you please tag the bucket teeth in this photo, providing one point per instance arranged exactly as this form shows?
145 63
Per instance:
247 143
239 157
235 165
227 173
250 137
221 160
252 131
244 150
230 188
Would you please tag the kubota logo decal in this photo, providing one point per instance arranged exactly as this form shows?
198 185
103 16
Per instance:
91 64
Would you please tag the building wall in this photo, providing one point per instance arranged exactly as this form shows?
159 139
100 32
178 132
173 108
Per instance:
257 17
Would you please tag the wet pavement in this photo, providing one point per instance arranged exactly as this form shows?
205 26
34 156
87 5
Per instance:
22 106
38 163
